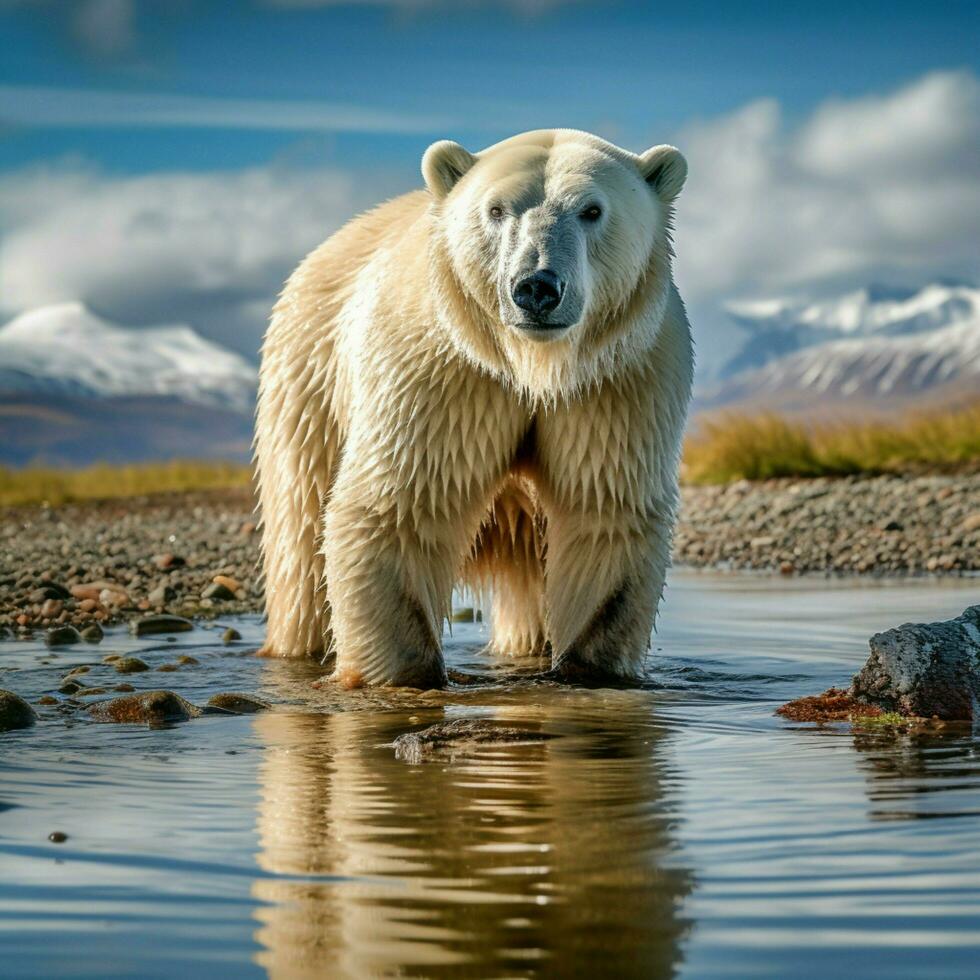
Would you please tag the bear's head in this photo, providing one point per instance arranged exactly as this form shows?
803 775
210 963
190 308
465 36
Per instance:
557 240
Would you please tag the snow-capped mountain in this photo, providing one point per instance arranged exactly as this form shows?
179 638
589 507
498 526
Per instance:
66 350
875 347
777 327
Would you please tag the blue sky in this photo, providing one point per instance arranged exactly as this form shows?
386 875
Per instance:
484 70
137 105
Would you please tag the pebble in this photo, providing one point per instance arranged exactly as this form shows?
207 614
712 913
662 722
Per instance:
131 665
218 591
230 635
152 625
92 633
239 704
15 712
62 636
57 837
168 560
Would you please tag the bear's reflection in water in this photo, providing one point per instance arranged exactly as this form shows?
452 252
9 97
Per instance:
548 858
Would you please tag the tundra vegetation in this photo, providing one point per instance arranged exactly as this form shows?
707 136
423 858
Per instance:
723 448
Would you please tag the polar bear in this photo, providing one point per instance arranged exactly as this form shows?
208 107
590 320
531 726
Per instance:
481 383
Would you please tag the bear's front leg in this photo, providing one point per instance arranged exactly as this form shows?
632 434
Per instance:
426 453
605 575
387 586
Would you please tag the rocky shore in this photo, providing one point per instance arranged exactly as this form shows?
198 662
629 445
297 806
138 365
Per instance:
885 525
196 555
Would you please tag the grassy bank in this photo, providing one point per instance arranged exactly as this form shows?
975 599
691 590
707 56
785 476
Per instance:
725 448
54 486
736 447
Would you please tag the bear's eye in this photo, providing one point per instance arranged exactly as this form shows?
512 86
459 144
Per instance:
496 212
592 213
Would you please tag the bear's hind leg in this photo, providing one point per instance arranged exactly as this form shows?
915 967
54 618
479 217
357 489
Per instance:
295 450
508 562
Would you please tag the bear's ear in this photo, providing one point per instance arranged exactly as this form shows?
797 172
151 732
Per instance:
665 170
443 164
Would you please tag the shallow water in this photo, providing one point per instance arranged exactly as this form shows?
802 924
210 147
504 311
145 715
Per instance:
681 829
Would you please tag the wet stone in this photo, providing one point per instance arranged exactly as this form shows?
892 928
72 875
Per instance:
62 636
925 669
459 736
47 700
15 712
92 633
464 615
131 665
152 625
57 837
230 635
239 704
218 591
149 707
188 661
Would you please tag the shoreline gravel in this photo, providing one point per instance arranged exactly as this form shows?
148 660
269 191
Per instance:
195 554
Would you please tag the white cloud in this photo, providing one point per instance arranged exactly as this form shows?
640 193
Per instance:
212 249
36 106
881 186
873 188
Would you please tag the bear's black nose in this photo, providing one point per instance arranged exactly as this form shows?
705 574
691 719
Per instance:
539 294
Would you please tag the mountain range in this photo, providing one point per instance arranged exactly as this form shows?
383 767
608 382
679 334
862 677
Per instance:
76 388
876 350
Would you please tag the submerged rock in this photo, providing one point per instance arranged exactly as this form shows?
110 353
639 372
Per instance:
92 634
230 635
15 712
149 707
459 736
925 669
151 625
62 636
239 704
131 665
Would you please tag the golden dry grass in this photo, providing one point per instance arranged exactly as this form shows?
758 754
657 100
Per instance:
735 447
56 486
726 447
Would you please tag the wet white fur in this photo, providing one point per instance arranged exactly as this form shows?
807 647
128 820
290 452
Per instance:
411 438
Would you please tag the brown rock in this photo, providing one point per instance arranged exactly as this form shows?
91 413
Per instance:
149 707
239 704
167 560
151 625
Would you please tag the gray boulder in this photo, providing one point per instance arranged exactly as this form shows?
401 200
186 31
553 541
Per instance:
925 669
